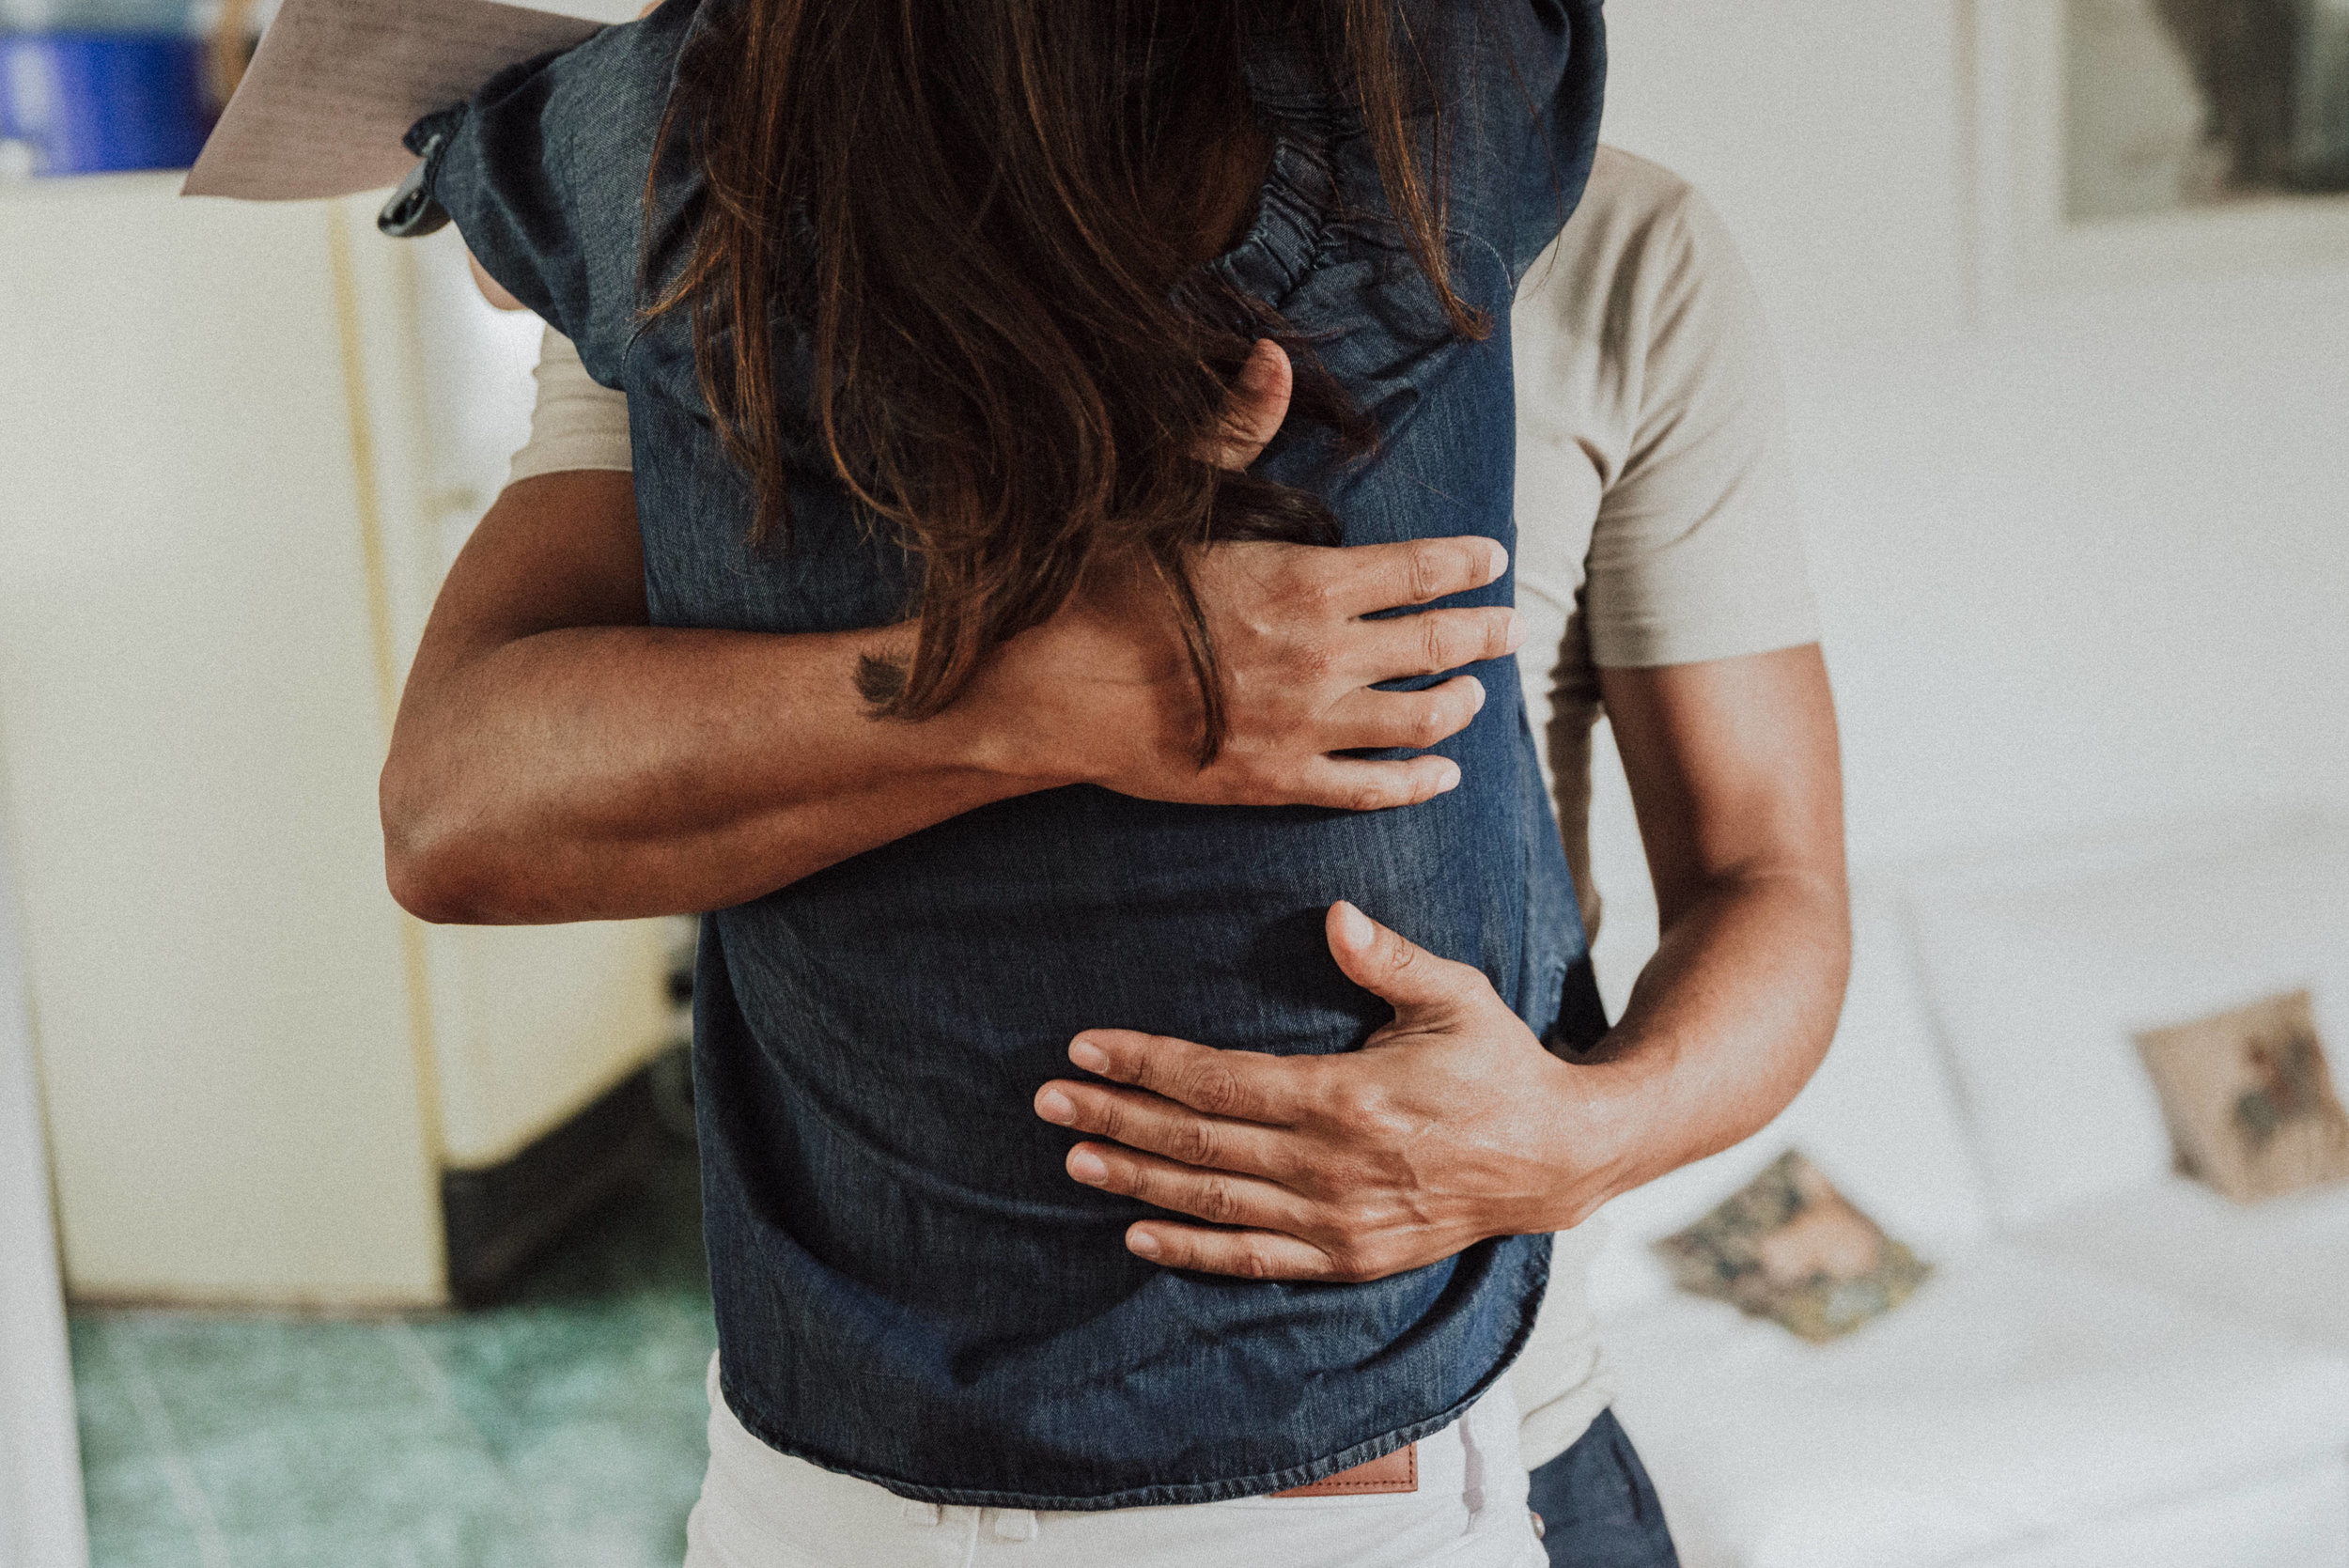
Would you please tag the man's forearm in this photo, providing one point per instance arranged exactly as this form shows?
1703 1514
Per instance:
556 758
1726 1022
603 772
1734 770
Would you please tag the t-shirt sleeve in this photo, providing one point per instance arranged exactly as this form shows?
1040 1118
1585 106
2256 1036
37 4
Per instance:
1697 551
575 424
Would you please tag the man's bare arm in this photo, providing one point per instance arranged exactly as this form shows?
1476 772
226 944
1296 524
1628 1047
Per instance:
1736 776
1453 1124
555 758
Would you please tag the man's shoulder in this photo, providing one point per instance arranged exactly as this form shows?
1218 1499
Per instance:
1636 216
1625 185
1644 268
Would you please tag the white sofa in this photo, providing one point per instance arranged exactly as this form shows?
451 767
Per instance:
2111 1366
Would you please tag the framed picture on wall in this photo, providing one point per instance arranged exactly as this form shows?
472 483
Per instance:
2121 142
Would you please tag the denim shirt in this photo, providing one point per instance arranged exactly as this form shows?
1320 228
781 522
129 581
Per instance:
909 1288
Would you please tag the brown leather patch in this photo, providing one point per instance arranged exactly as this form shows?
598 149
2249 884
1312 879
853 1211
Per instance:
1394 1472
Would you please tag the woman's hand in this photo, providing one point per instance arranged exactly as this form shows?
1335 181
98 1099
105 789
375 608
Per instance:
1451 1125
1103 692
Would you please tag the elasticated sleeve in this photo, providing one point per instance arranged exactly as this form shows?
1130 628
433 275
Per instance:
550 149
1560 62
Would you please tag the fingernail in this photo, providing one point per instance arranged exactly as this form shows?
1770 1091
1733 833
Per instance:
1517 632
1451 781
1499 562
1480 695
1353 925
1053 1106
1085 1054
1144 1243
1086 1166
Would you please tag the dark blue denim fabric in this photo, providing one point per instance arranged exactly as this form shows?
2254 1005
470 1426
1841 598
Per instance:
909 1287
1598 1508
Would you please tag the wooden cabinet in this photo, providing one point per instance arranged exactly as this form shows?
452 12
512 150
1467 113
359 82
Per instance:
233 458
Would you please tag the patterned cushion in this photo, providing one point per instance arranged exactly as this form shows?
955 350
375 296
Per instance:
1788 1246
2249 1099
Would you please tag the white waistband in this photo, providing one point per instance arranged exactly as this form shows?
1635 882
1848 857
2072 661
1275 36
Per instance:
762 1509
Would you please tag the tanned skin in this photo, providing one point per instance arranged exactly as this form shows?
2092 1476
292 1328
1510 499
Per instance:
556 758
1453 1124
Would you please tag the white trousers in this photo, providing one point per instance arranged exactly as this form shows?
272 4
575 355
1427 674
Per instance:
761 1509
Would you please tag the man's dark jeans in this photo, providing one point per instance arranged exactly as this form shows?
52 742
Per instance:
1598 1508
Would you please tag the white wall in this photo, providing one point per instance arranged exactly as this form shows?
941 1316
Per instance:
2085 564
40 1474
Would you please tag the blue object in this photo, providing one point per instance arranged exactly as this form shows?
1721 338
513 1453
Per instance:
1598 1506
90 103
909 1287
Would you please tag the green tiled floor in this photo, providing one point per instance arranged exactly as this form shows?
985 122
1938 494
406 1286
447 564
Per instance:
563 1429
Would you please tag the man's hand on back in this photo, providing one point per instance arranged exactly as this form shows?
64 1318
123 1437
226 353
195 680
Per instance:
1451 1125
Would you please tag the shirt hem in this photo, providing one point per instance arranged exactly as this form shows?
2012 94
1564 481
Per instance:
1162 1494
1648 652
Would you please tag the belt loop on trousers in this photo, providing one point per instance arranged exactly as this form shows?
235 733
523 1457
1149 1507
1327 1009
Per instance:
1011 1524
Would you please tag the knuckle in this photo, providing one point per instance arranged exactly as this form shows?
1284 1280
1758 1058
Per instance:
1353 1106
1401 956
1433 723
1217 1203
1434 643
1261 784
1151 1071
1209 1085
1366 796
1371 1252
1252 1262
1426 571
1193 1144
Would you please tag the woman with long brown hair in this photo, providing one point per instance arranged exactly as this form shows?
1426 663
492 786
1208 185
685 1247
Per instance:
927 314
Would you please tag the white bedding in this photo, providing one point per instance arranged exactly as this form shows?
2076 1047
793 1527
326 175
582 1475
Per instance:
2297 1519
2013 1404
2283 1264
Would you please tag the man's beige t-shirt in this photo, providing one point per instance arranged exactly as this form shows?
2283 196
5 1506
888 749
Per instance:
1656 525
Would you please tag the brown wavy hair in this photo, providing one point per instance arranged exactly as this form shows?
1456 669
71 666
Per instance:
986 219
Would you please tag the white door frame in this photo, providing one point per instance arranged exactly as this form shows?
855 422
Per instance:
41 1520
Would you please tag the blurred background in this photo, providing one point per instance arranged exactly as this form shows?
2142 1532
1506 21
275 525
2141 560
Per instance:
376 1243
